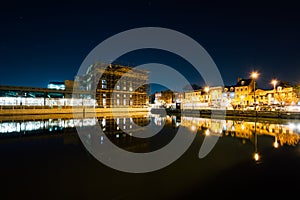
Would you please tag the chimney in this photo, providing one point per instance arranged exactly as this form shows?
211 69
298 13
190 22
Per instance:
239 78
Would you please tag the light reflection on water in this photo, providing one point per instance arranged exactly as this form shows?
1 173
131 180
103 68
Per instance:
287 132
242 144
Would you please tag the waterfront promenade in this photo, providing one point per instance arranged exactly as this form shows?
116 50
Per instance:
232 113
7 112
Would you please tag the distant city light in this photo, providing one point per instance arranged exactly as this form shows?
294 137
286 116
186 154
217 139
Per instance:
56 85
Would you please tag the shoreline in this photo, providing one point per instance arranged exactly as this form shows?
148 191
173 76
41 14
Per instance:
85 112
232 114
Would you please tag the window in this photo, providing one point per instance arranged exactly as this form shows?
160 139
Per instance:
124 85
118 87
104 84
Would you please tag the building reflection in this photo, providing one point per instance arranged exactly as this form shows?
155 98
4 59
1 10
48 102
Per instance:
283 134
121 130
288 134
49 124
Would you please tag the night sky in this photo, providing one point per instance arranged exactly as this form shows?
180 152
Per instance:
42 41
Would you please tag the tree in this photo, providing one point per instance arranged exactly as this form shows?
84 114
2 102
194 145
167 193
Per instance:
296 88
167 96
284 84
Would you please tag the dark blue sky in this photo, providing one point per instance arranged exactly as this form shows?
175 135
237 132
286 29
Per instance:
42 41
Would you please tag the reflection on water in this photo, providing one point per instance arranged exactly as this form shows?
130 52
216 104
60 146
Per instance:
285 133
51 125
59 163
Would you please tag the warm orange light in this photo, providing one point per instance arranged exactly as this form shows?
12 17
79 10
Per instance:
193 127
254 75
207 132
206 89
274 82
256 157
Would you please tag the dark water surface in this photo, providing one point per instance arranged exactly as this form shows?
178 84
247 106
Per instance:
45 159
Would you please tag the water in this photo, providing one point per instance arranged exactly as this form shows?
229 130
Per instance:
45 159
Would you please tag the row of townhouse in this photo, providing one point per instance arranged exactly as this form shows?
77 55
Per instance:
240 95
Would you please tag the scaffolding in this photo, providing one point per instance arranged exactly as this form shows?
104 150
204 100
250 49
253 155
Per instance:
115 85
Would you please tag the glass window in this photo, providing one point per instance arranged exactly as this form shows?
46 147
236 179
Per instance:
104 84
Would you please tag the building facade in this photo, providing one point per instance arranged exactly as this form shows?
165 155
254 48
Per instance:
116 86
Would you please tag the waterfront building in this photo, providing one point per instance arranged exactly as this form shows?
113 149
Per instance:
196 99
215 94
228 97
115 85
241 92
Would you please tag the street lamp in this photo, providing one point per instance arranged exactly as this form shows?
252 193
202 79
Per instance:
274 82
254 76
206 89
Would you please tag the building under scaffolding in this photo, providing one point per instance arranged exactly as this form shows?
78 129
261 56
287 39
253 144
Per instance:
115 85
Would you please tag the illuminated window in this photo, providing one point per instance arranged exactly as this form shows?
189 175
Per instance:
104 84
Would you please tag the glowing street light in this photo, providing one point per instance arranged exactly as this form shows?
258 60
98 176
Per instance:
254 76
206 89
274 82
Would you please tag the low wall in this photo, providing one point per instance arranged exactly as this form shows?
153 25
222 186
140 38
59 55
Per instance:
77 110
240 113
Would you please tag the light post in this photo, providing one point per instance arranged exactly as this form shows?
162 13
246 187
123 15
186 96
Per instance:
254 76
274 82
206 89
